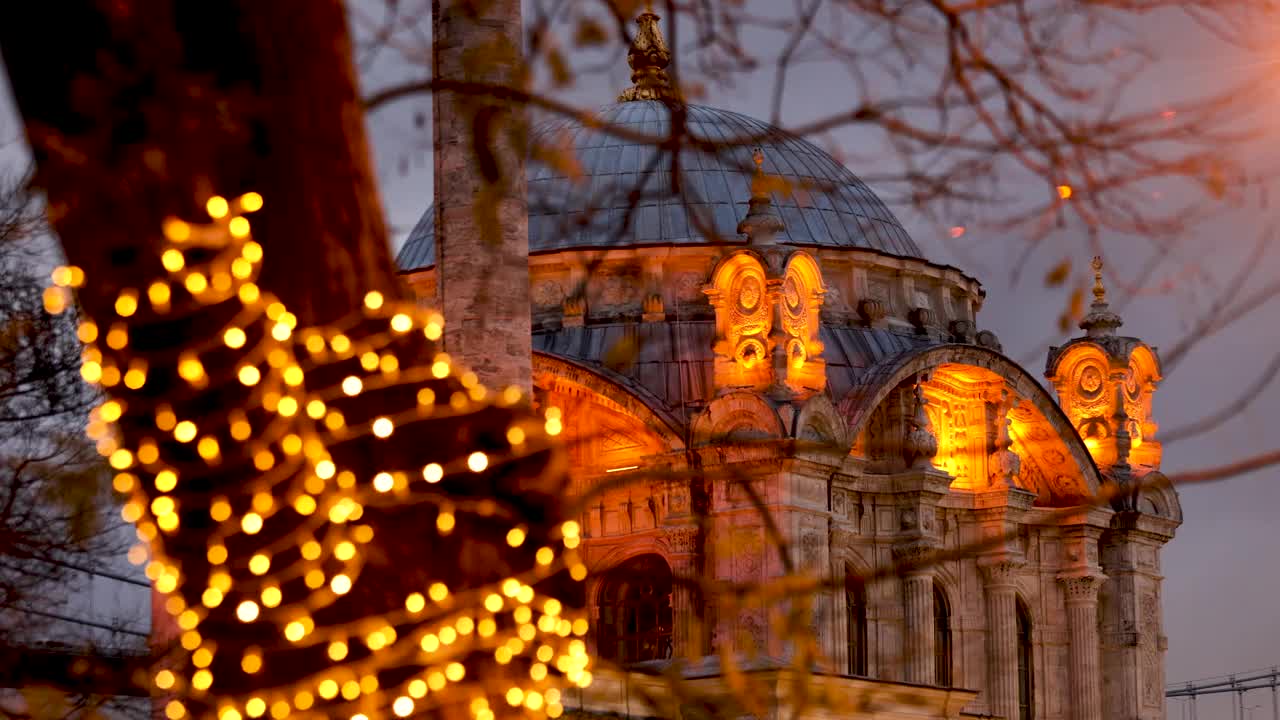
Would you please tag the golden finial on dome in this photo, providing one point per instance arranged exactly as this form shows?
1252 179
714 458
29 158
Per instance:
1100 321
1099 290
648 58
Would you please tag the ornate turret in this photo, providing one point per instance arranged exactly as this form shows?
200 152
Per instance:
1105 383
648 58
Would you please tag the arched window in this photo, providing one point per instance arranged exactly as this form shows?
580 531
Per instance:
635 611
1026 675
855 601
942 637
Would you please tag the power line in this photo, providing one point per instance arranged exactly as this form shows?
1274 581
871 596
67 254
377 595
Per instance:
90 571
80 621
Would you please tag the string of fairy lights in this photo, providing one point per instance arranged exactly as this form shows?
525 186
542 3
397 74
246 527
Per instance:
461 643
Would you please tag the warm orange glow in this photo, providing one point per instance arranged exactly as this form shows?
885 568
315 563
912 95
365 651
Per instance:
1065 192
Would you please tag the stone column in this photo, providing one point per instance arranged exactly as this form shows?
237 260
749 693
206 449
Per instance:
1081 593
1002 638
481 212
920 647
686 634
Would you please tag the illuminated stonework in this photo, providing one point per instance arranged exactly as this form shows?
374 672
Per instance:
712 378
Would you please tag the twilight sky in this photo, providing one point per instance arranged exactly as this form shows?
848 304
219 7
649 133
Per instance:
1221 570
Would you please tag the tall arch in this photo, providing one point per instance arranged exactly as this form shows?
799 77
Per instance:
942 641
634 609
1026 664
856 629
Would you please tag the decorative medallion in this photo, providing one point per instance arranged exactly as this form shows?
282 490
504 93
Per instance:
688 286
1090 380
749 293
547 293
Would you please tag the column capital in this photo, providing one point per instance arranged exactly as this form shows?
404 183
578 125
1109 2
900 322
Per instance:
1000 571
681 540
915 556
1081 588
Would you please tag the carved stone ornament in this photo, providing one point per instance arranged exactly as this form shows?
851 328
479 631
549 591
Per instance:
988 339
916 554
919 446
796 353
653 310
1080 589
750 352
1004 465
682 540
547 293
962 331
871 310
920 318
1001 571
575 310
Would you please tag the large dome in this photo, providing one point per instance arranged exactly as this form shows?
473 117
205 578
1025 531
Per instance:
831 207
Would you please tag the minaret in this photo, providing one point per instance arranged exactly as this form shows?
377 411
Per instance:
481 211
1105 384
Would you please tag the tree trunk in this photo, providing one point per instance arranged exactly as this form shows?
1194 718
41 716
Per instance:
135 116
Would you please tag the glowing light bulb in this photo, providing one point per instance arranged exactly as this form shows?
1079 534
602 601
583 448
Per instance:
247 611
173 260
259 564
238 227
352 386
234 338
373 300
433 473
477 461
251 202
383 427
340 584
185 431
126 303
383 482
216 206
251 523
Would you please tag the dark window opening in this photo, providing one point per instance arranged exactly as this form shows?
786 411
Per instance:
855 598
635 611
1026 676
942 637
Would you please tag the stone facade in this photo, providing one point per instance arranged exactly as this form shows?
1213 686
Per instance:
764 415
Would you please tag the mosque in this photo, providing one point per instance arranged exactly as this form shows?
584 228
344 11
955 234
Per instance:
758 381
